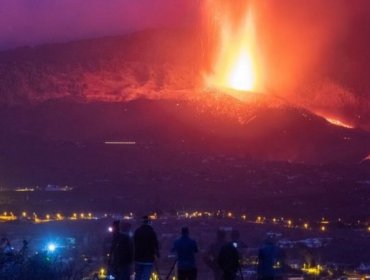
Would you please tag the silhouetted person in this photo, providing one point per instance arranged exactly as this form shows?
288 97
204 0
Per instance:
185 248
121 253
5 247
146 250
270 261
211 256
229 258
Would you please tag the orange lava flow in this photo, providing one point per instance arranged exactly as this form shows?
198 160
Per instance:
237 62
338 122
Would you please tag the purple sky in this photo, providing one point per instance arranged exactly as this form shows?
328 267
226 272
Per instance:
31 22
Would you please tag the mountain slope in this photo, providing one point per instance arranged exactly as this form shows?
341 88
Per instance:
151 63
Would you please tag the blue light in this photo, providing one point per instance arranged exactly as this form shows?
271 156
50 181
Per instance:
51 247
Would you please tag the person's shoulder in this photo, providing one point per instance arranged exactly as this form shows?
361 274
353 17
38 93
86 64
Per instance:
142 228
146 228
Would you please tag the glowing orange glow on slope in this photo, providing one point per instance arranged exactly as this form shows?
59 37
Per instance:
237 63
333 120
338 123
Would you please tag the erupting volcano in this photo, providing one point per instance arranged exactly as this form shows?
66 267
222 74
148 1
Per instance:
256 53
237 60
239 75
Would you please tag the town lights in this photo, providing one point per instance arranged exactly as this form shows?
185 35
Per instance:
103 274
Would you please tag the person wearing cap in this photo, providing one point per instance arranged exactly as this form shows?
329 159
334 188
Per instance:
146 250
185 248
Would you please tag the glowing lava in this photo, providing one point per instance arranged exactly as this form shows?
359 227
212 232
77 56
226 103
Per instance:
338 122
237 63
242 76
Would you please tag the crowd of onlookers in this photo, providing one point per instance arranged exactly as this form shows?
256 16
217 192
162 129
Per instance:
138 254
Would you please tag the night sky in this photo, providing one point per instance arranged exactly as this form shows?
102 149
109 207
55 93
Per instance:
32 22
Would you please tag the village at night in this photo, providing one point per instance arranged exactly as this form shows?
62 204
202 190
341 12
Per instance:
184 140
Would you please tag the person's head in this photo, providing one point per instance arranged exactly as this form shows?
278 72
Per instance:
221 235
270 239
185 231
115 226
235 235
146 220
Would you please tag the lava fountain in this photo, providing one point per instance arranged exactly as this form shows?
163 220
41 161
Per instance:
237 64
